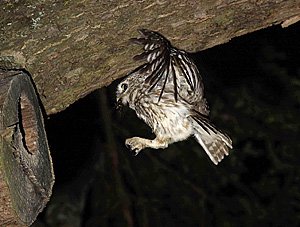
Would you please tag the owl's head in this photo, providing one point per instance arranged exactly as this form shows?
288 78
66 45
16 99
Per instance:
125 89
122 92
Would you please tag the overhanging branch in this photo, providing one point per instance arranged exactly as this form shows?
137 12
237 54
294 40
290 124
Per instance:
72 48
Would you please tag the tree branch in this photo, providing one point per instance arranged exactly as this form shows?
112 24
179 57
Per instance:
72 48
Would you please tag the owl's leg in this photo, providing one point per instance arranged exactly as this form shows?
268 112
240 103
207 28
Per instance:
136 144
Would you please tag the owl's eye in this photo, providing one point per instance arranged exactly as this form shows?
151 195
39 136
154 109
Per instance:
124 87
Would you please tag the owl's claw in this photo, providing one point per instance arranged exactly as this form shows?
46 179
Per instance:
136 152
135 144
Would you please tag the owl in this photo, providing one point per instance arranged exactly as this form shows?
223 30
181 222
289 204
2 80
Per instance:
167 93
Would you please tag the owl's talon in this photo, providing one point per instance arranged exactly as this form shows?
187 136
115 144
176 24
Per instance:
134 144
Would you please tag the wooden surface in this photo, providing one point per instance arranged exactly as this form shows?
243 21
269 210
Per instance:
26 172
74 47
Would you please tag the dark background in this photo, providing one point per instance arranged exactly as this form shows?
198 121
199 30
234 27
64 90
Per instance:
252 85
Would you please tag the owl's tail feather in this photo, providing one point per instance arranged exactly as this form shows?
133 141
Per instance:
215 143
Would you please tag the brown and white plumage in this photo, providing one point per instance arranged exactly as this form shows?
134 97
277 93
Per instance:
167 93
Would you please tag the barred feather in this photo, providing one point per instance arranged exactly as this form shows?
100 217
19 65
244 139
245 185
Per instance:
165 62
215 143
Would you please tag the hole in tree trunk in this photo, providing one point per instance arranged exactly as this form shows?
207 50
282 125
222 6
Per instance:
28 124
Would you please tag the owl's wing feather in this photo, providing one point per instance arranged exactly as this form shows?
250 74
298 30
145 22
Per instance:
183 70
145 55
174 80
190 71
157 73
165 63
164 85
215 143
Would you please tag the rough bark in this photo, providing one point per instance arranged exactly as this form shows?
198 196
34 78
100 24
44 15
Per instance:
26 173
73 47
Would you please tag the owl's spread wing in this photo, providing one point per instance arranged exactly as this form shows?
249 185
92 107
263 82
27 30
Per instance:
166 64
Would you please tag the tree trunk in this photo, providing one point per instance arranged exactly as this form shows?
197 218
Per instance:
26 173
74 47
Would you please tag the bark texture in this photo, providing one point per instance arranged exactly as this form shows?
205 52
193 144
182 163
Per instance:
26 173
74 47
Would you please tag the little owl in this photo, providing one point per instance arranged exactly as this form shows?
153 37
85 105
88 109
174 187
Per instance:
167 93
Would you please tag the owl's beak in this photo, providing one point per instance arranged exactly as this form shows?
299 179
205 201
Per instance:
119 104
